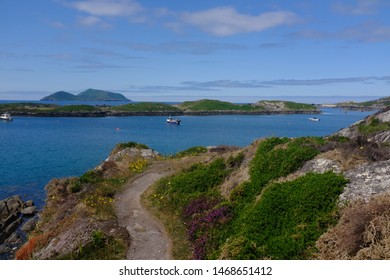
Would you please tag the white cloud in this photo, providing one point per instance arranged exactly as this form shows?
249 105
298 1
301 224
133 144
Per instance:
362 7
90 21
226 21
108 7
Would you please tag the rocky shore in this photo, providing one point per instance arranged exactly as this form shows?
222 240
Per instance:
17 218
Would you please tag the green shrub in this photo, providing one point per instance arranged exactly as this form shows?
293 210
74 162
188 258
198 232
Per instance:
90 177
289 217
131 144
273 161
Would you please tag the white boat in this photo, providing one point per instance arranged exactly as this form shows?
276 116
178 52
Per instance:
6 117
314 119
173 121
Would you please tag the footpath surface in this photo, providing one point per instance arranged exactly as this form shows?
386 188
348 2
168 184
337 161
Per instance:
148 238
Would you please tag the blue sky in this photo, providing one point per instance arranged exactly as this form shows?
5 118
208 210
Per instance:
184 50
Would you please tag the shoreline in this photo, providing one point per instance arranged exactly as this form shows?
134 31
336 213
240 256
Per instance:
159 113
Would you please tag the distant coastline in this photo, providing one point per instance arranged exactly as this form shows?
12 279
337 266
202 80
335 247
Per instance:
203 107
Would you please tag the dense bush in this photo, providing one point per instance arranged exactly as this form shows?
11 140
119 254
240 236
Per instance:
289 217
277 157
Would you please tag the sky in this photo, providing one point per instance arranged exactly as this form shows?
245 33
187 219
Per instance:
176 50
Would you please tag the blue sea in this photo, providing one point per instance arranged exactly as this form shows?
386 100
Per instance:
35 149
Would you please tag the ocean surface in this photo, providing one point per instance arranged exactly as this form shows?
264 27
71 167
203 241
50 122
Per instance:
35 149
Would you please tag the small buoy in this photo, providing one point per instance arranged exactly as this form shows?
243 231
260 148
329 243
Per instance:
117 129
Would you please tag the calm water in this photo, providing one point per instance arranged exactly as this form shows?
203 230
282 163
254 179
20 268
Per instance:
35 150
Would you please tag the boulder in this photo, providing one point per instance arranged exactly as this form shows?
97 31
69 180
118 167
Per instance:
10 205
14 203
29 203
28 211
367 180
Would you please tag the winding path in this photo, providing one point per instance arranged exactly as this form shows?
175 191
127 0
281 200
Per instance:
148 238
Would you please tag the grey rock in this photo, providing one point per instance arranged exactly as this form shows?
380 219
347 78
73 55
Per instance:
30 224
367 180
29 203
10 219
14 238
10 205
131 153
384 116
29 210
14 203
321 165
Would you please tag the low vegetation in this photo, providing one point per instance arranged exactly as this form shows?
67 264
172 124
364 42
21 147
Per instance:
192 151
213 105
76 108
256 221
216 105
146 107
373 126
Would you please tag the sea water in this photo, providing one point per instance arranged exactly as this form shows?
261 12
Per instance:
33 150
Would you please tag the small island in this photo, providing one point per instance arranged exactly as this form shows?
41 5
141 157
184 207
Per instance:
87 95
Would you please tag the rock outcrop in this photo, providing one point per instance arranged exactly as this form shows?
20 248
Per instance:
13 213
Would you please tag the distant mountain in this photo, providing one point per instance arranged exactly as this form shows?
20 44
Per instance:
100 95
60 96
88 95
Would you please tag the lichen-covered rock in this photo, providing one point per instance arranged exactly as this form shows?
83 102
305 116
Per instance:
131 153
367 180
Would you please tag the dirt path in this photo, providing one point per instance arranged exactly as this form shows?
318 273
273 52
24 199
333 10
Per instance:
148 239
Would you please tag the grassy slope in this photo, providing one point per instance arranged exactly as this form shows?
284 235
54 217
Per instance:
283 223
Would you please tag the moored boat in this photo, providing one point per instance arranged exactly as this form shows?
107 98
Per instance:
314 119
6 117
173 121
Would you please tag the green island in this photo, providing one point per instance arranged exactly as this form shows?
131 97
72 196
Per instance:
87 95
201 107
278 198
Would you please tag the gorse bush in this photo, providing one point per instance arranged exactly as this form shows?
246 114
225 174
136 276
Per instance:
289 217
278 157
